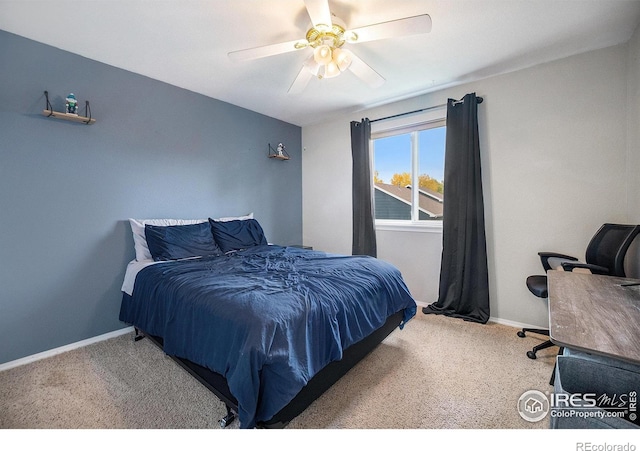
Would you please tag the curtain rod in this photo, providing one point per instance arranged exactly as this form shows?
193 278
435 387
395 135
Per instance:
480 99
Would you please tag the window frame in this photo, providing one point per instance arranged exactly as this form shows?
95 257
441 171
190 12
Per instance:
416 122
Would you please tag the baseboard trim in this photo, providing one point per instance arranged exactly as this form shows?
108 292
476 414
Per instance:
517 325
493 319
65 348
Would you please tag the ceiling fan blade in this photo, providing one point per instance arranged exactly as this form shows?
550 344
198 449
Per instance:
310 69
365 72
301 81
392 29
318 12
267 50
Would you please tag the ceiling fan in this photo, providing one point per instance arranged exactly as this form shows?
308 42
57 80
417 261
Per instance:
327 36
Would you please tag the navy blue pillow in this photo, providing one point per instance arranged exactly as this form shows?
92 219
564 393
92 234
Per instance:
239 234
180 241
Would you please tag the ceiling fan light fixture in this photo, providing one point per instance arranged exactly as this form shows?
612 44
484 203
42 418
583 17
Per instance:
331 70
323 54
342 58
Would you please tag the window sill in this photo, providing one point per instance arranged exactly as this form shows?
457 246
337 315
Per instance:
406 226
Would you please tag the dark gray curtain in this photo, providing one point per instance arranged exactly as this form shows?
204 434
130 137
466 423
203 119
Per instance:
464 281
364 233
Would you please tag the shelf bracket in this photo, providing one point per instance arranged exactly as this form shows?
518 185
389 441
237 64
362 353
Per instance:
48 105
87 112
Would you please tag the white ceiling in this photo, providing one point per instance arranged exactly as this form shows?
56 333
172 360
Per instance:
185 43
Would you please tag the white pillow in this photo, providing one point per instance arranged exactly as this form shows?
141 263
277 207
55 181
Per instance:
140 240
234 218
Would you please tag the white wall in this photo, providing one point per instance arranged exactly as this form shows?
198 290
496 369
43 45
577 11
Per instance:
633 142
554 152
633 126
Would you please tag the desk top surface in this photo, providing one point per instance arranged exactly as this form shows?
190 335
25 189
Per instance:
595 313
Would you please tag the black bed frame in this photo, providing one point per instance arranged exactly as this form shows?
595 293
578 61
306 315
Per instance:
316 386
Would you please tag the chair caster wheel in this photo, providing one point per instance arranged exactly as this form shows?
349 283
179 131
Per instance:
521 334
531 355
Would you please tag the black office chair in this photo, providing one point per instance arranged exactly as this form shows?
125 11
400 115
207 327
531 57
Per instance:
605 255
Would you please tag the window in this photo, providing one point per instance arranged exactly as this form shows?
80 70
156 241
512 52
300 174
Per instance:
404 158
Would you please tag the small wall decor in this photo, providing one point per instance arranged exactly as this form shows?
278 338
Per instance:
71 110
71 104
279 152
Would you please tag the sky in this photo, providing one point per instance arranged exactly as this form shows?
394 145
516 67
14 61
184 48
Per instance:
393 154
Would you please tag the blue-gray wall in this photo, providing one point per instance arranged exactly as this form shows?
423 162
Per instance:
66 189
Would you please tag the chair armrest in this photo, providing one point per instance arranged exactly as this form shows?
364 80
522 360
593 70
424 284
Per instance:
545 256
595 269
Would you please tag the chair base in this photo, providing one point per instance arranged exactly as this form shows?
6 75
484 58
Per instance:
532 354
522 333
547 344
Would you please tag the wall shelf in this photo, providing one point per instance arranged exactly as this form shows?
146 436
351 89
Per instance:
68 117
279 154
49 112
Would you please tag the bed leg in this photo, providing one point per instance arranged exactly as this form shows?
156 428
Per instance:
139 336
228 419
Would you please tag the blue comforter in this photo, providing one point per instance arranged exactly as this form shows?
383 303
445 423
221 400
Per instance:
266 318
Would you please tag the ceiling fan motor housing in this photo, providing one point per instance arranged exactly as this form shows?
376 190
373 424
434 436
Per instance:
333 36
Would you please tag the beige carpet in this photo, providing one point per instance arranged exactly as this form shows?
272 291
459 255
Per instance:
437 373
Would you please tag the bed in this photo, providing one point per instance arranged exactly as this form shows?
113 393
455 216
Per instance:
267 328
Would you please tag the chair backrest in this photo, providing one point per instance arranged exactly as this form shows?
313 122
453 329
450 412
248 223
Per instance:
609 246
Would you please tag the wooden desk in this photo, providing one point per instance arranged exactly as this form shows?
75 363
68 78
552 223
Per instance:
595 314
